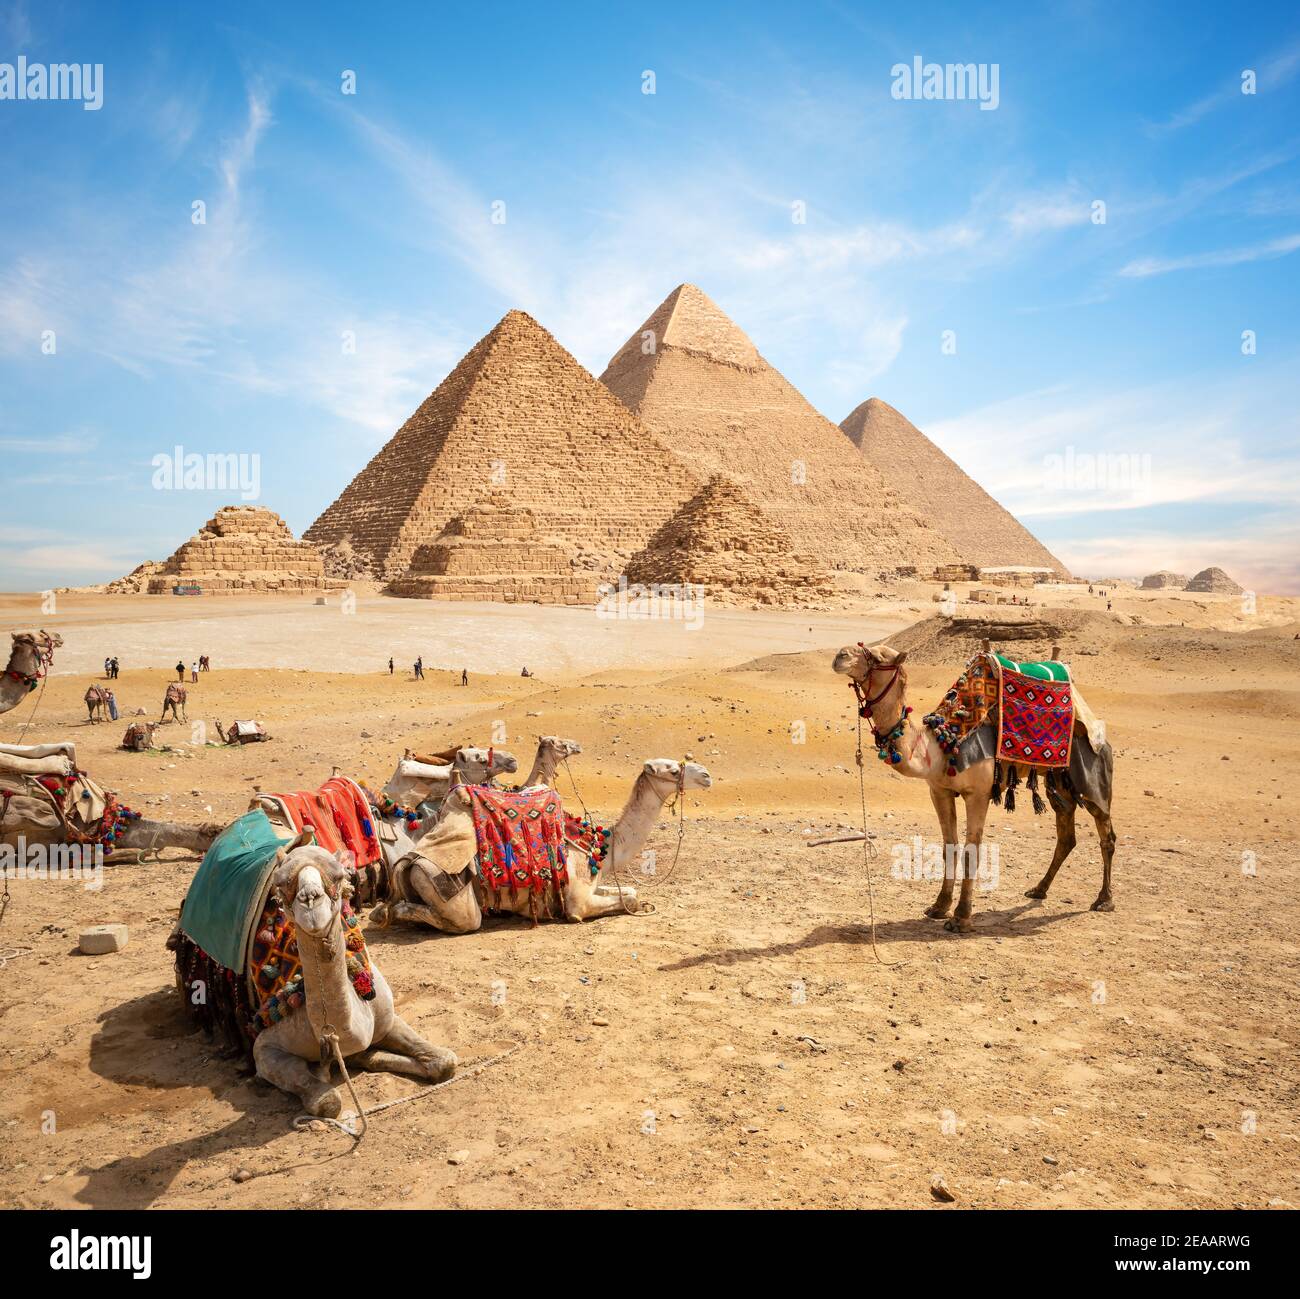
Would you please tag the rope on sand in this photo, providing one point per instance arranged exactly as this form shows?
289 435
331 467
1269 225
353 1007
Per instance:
868 852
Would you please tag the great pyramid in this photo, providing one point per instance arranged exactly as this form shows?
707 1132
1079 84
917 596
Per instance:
721 540
696 380
241 548
954 503
517 415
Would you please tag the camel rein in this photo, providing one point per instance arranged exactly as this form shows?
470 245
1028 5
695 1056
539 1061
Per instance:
869 848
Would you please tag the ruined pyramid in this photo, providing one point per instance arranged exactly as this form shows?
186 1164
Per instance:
518 416
694 379
721 540
954 503
241 548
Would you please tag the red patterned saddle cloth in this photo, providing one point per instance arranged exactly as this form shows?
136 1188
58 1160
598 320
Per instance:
521 838
1035 720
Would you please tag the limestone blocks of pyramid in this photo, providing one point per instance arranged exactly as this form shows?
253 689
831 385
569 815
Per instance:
494 551
1213 581
1164 580
244 548
722 540
936 486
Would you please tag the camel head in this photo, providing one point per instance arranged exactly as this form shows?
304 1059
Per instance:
858 662
677 775
32 650
560 748
311 884
477 765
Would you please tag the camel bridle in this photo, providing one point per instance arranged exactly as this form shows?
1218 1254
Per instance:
861 689
44 652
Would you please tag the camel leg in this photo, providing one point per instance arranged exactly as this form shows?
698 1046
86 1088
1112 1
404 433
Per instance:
945 804
977 807
291 1073
403 1051
1106 834
428 916
1065 841
594 905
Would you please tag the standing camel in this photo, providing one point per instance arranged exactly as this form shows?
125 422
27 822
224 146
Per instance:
173 701
881 681
96 700
29 660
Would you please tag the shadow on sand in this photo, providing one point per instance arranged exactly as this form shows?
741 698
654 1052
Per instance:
1017 922
130 1049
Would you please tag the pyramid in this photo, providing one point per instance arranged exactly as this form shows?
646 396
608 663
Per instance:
1213 581
722 540
693 378
518 414
241 548
954 503
494 551
1164 580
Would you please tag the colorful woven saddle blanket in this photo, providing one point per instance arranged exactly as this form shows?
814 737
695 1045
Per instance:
521 841
275 968
338 815
1032 705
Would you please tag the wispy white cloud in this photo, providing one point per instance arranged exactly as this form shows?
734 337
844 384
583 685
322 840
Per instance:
1148 266
1272 72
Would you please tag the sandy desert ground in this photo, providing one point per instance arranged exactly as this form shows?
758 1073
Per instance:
740 1045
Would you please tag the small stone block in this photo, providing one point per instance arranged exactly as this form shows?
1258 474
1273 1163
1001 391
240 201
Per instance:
99 940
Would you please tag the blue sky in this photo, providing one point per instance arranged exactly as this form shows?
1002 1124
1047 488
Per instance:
371 214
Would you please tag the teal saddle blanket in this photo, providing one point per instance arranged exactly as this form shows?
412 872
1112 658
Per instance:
229 889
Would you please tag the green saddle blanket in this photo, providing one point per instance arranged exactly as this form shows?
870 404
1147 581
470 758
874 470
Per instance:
1049 671
229 889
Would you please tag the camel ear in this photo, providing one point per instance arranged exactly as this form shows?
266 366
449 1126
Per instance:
898 660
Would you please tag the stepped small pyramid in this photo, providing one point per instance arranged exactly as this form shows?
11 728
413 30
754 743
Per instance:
693 378
494 551
242 548
519 415
722 540
954 503
1213 581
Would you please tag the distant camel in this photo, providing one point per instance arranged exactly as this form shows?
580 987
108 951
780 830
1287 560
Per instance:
174 702
96 699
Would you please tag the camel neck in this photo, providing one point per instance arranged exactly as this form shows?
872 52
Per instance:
325 985
632 828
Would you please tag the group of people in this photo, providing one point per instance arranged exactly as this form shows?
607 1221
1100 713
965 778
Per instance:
201 664
418 668
110 668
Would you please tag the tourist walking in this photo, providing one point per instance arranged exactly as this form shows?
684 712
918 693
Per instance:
464 677
194 671
113 668
180 670
419 668
390 665
108 664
